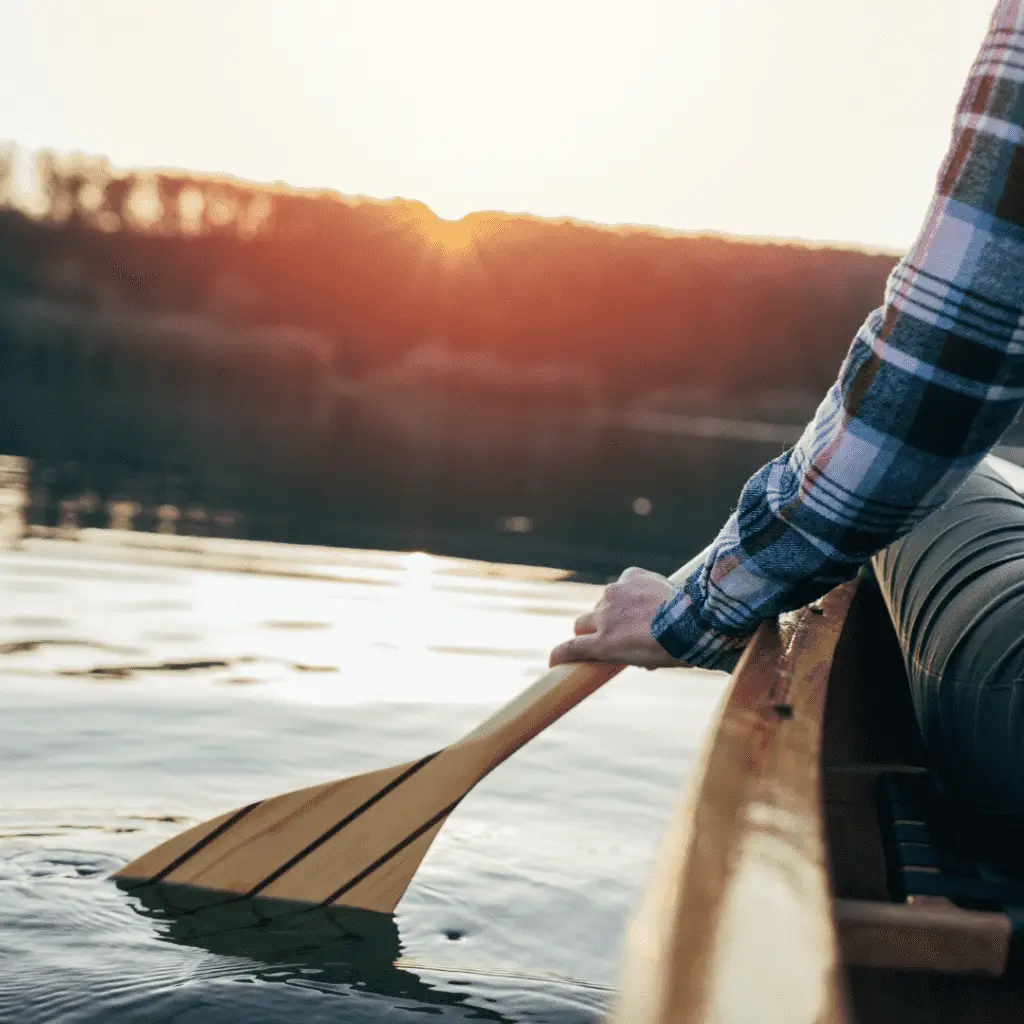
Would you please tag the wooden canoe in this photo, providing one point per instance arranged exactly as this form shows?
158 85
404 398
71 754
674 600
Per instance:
800 880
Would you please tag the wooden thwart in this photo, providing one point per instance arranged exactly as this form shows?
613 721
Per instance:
934 935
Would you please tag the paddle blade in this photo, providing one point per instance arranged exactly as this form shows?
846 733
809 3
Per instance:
355 842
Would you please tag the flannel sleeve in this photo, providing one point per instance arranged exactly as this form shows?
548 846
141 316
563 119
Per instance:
931 381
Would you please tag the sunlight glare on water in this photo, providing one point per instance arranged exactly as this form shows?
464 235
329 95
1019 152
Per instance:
417 613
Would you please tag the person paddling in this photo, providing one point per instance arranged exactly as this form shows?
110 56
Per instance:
892 472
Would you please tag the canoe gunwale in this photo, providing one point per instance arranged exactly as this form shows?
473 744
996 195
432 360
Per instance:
745 861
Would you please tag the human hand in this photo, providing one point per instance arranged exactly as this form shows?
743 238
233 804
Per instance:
619 628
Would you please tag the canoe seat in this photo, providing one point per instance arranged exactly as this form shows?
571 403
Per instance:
957 886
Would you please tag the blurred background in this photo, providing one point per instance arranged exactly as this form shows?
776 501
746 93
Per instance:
192 352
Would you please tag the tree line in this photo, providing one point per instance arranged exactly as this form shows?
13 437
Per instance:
722 321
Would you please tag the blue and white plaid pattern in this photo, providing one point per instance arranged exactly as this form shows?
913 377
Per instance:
931 381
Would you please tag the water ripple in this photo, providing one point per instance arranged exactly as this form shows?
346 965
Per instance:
78 949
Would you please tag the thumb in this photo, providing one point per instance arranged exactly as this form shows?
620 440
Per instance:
580 648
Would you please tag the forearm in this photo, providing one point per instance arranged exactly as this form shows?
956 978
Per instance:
931 381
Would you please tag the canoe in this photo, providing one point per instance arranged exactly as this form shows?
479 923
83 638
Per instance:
812 873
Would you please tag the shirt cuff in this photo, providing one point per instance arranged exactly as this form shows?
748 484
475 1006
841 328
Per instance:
680 629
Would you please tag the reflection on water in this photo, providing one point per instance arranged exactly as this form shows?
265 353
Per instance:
595 506
334 948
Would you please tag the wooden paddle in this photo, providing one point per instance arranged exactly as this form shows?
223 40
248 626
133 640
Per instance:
358 842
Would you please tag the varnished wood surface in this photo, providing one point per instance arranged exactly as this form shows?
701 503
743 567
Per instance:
929 936
736 924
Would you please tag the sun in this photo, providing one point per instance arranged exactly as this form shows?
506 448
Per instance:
451 240
452 236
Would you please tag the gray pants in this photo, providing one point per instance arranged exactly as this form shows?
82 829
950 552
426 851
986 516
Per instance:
955 591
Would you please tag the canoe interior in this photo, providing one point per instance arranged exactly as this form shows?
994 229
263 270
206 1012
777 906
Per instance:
907 961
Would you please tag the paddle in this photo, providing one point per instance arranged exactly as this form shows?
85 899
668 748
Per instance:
358 841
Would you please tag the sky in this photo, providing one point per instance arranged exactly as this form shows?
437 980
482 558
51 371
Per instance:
814 119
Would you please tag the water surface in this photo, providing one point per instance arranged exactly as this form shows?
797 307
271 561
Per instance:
141 693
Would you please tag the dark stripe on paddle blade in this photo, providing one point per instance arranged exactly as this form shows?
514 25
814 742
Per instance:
411 838
335 829
204 842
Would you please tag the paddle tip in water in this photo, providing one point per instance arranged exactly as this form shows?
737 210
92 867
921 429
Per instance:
354 842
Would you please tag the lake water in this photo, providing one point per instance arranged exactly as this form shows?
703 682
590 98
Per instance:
142 691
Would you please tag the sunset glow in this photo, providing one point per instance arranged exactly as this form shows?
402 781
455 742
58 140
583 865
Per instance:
797 118
451 239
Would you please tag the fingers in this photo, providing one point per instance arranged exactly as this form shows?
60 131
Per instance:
587 627
618 629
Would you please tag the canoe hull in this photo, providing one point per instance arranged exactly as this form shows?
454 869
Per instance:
773 897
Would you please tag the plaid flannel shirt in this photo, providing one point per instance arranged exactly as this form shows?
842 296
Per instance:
931 381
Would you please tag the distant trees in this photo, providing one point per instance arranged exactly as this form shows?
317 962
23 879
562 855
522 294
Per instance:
640 310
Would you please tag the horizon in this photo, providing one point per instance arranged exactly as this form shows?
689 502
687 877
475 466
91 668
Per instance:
625 120
24 202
